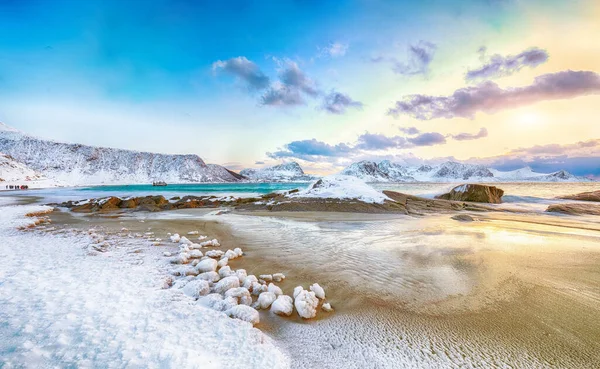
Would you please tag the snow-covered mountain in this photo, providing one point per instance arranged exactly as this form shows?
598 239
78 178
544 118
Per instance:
287 172
12 170
450 171
77 164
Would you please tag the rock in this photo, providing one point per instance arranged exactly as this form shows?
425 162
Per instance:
110 204
249 280
318 290
209 276
242 275
584 196
245 313
227 283
474 193
175 238
575 209
463 218
196 288
283 305
327 307
217 254
265 300
223 262
266 277
226 272
278 277
306 304
207 265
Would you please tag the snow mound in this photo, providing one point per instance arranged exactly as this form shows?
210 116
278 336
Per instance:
196 288
342 187
245 313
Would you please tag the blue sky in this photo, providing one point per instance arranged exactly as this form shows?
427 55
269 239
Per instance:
239 82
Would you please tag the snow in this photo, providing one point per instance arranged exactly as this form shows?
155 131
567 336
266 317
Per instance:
175 238
327 307
196 288
241 294
297 291
306 304
274 289
278 277
318 290
71 307
288 172
210 276
15 173
342 187
226 283
283 305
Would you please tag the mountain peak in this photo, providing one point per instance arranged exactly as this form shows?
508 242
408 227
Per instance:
6 128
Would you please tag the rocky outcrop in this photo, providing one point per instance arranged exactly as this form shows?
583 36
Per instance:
584 196
474 193
575 209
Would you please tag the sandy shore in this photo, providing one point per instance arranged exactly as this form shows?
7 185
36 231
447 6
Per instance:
518 290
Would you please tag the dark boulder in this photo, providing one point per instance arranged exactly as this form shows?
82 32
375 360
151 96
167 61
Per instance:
474 193
584 196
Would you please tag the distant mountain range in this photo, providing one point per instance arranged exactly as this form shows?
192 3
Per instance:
287 172
77 164
386 171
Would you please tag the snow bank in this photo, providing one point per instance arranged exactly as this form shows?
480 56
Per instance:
342 187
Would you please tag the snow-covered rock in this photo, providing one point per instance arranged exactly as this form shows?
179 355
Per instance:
266 277
210 243
175 238
318 290
78 164
226 283
297 291
327 307
306 304
207 265
245 313
211 276
265 300
342 187
226 272
242 275
241 294
278 277
288 172
196 288
214 254
274 289
283 305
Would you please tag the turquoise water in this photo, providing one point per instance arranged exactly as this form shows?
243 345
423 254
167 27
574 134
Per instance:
200 188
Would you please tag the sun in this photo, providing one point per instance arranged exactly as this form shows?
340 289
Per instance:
529 118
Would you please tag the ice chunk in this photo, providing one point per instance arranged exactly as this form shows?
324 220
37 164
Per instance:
211 276
283 305
226 272
195 254
276 290
175 238
249 280
241 294
207 265
221 263
327 307
183 240
242 275
306 304
318 290
258 288
196 288
193 233
238 251
194 246
297 290
230 254
227 283
266 277
182 258
265 300
245 313
214 254
213 243
278 277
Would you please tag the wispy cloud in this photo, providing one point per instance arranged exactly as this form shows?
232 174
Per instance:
409 130
498 65
245 70
469 136
488 97
338 103
419 57
334 50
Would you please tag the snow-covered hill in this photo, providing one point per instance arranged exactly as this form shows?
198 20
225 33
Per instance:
16 173
450 171
78 164
287 172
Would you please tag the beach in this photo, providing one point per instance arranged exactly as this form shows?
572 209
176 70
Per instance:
508 289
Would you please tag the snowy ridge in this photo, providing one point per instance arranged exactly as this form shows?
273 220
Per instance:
450 171
287 172
342 187
12 170
86 165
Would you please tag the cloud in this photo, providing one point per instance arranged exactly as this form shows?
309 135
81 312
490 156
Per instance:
428 139
259 162
244 70
488 97
469 136
498 65
419 58
334 50
280 94
409 130
310 150
338 103
293 77
376 141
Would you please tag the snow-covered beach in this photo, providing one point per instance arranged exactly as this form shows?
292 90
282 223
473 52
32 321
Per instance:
406 291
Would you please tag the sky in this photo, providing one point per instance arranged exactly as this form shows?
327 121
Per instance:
505 83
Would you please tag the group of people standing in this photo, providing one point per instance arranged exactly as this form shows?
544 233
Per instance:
17 187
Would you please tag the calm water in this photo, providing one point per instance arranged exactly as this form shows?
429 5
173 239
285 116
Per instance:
537 194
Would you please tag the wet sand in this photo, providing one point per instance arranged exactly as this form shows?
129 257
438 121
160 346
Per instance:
510 290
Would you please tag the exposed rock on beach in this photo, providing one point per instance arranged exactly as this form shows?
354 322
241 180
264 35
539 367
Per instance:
474 193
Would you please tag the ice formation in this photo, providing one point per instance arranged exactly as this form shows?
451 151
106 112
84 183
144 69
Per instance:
196 288
265 300
306 304
274 289
318 290
283 305
207 265
245 313
226 283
